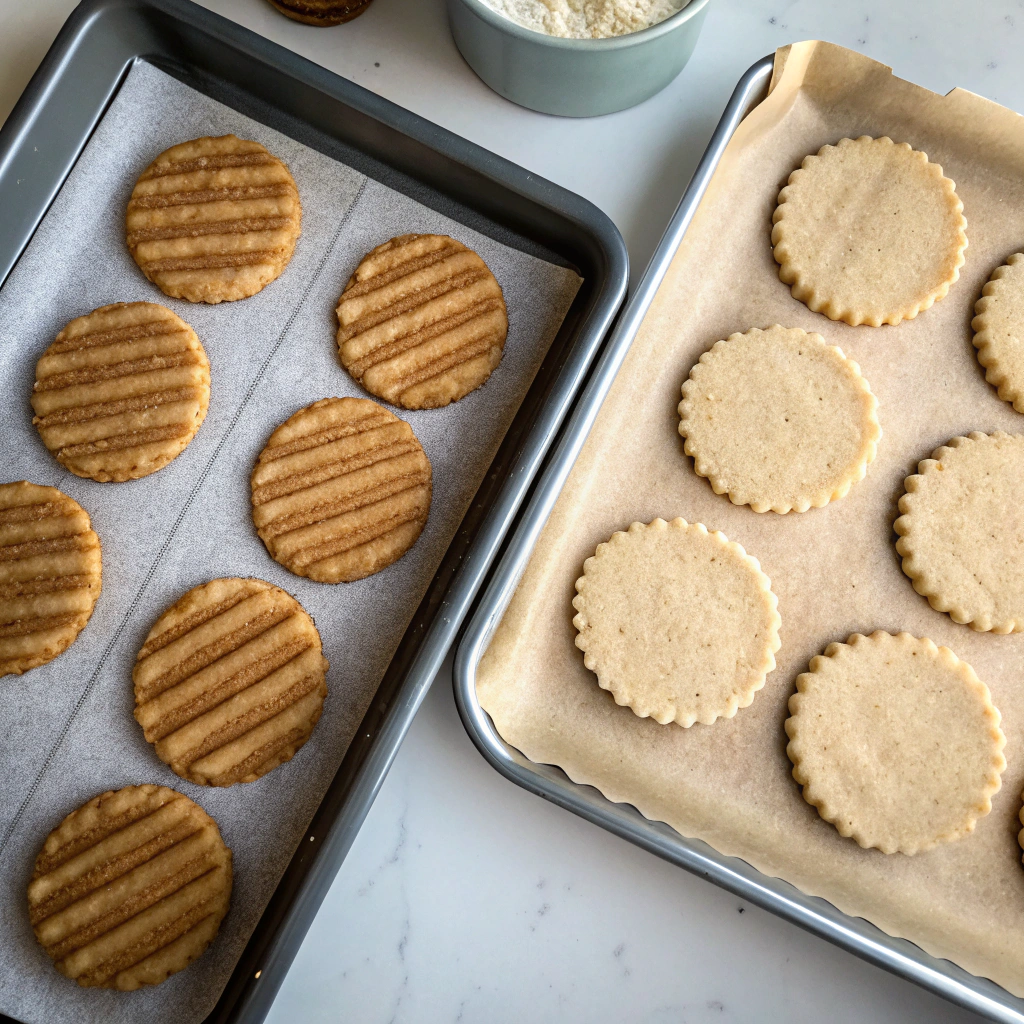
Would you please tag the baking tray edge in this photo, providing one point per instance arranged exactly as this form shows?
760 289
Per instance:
860 937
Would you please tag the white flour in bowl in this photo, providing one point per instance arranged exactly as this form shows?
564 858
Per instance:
586 19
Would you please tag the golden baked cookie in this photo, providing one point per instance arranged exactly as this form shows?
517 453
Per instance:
214 219
679 624
869 232
422 321
895 741
130 888
959 534
321 12
999 330
50 574
230 681
341 490
778 420
121 391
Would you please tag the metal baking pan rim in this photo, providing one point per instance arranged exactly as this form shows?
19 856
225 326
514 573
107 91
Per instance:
174 30
856 935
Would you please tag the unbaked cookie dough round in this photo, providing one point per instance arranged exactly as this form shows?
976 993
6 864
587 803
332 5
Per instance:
895 741
961 534
679 624
869 232
779 420
999 330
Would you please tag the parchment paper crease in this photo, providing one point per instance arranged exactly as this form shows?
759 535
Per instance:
68 731
834 569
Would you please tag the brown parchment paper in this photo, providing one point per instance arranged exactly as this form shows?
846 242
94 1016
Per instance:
835 569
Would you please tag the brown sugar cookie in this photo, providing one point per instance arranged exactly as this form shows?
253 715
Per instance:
230 681
214 219
130 888
50 574
422 321
895 741
321 12
869 232
121 391
999 330
341 490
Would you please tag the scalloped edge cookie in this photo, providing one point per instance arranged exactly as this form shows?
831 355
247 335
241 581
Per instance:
797 269
740 482
871 835
657 699
927 580
991 337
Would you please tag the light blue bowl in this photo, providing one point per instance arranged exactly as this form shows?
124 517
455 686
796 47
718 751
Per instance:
573 77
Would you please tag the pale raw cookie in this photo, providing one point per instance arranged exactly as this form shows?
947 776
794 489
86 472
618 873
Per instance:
121 391
778 420
341 490
961 534
999 330
130 888
51 570
230 681
895 741
869 232
679 624
214 219
422 321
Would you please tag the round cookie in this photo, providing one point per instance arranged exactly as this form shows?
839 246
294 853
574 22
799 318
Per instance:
895 741
869 232
121 391
422 322
999 330
778 420
50 574
959 534
679 624
322 13
130 888
214 219
341 490
230 681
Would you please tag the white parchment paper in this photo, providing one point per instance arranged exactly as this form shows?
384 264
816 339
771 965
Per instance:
66 729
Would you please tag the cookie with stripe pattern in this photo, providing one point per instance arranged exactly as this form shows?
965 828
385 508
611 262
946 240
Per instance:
130 888
230 682
341 490
422 322
214 219
50 574
322 13
121 391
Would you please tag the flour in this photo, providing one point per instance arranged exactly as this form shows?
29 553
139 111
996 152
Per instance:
586 19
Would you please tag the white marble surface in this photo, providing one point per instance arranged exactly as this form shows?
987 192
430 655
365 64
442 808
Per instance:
465 898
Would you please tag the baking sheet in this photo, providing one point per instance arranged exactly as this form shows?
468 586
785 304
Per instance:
68 727
835 569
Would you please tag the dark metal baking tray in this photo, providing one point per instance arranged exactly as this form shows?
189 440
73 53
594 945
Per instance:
39 145
899 956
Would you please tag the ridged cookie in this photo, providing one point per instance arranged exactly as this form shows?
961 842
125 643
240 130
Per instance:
50 574
869 231
214 219
779 420
999 330
130 888
422 321
321 12
121 391
895 741
230 681
341 490
959 534
678 623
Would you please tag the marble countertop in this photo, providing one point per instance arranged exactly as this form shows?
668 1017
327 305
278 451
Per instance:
464 898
